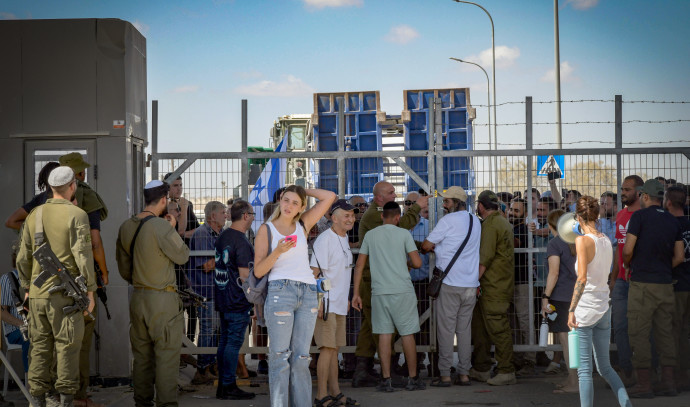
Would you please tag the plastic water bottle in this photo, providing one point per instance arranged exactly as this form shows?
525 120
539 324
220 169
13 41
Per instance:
544 333
574 349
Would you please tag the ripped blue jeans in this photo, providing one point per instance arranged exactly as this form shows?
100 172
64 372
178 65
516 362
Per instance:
290 311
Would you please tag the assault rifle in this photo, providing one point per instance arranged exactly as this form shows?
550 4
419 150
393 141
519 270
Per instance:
188 295
19 304
74 288
101 291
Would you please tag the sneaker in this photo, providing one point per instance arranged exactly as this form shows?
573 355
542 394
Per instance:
526 370
415 383
232 392
385 385
263 367
479 376
553 368
502 379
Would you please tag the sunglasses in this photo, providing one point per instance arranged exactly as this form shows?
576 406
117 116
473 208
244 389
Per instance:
408 203
362 205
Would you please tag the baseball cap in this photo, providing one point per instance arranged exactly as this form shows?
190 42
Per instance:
653 188
488 196
60 176
344 205
455 192
75 161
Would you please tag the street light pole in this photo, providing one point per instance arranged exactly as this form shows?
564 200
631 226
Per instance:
488 109
493 65
557 73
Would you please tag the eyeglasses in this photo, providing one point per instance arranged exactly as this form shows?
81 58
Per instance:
251 213
408 203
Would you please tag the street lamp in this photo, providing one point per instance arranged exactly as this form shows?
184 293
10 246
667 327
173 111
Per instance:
488 106
493 65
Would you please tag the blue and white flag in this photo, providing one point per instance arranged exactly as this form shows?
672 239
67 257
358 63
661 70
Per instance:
272 179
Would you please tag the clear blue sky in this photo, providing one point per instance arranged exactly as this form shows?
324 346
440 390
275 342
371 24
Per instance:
205 56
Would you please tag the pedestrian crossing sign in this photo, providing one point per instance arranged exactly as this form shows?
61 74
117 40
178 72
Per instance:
551 163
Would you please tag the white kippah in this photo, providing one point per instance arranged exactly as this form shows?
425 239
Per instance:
153 184
60 176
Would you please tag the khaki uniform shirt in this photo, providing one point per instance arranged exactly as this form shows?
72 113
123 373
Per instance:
157 247
66 228
89 200
372 219
496 254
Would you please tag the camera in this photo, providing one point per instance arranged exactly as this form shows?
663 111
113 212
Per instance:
323 285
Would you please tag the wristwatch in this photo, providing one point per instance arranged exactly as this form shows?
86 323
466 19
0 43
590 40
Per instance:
544 296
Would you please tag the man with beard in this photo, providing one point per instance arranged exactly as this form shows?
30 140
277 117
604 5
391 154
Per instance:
524 361
619 284
607 214
458 294
66 228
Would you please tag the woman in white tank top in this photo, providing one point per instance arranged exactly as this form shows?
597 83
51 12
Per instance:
291 304
589 311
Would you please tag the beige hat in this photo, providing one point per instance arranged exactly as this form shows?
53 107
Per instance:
455 192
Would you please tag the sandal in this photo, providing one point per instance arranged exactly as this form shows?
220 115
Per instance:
327 401
347 402
440 383
458 381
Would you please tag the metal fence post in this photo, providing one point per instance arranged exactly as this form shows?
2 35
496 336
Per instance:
433 216
342 175
528 197
619 144
244 161
154 139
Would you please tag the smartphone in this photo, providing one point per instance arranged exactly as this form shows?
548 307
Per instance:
291 238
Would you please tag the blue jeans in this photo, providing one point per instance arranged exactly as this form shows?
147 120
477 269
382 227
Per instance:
290 311
15 338
233 326
619 316
599 336
208 332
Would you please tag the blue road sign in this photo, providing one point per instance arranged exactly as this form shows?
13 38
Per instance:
550 163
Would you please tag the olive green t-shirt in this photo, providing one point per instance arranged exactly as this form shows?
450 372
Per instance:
496 254
387 247
157 248
66 229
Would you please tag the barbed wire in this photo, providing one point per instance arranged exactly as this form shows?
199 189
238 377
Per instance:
543 102
580 142
588 122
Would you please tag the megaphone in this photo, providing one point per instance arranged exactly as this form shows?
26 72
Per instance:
568 228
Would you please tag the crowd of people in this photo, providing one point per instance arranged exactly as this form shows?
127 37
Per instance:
356 273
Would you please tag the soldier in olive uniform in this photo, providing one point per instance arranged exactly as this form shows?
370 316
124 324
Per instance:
490 323
66 228
88 200
155 309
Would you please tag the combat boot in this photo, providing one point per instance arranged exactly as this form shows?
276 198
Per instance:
66 400
643 388
40 400
361 377
667 385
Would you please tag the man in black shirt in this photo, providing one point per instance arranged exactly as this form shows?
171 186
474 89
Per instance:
674 202
233 255
653 246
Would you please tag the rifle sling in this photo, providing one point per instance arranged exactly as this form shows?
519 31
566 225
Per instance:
134 239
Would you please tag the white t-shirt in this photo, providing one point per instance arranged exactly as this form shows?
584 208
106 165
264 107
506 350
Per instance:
335 258
448 235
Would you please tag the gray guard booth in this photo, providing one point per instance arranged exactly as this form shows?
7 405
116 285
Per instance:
77 85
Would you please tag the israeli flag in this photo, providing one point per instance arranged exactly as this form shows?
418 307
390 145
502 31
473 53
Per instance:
272 179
